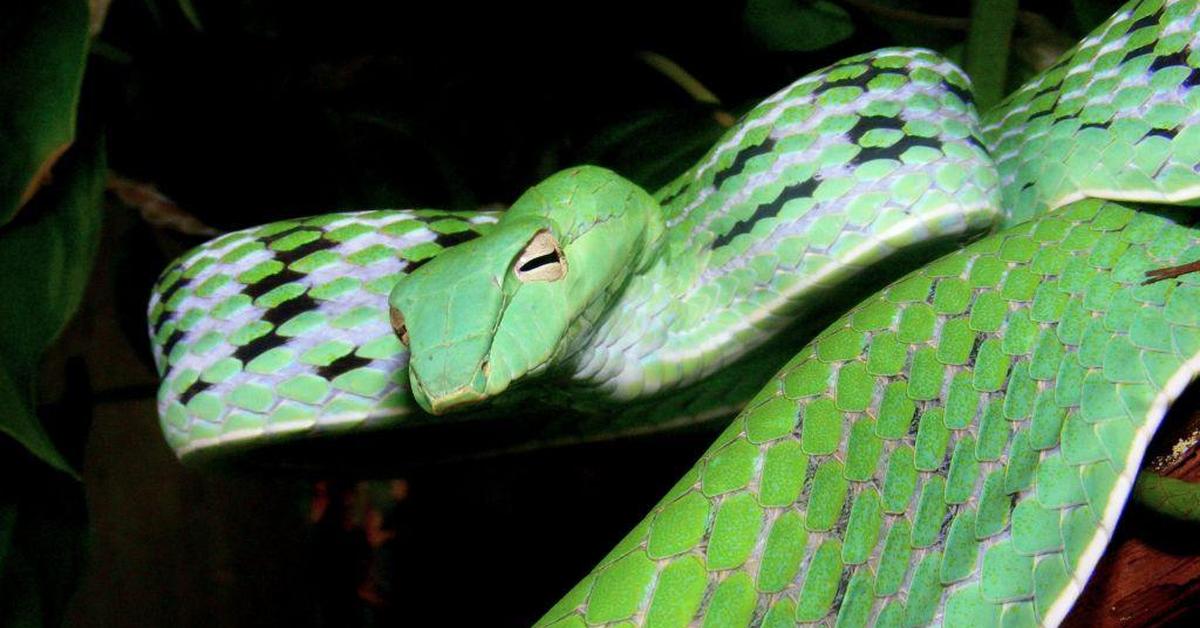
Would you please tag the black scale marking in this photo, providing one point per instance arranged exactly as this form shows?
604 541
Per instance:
171 341
1167 133
1138 52
448 240
259 346
285 311
1061 63
740 160
859 81
412 266
304 250
799 190
672 196
169 293
1149 20
196 388
870 153
283 234
344 364
161 321
1171 60
963 94
870 123
1044 91
269 283
276 316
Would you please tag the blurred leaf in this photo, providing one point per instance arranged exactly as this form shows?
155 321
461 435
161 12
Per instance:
910 23
654 147
1089 14
8 522
680 77
98 10
43 533
189 11
155 208
43 49
47 257
956 53
18 419
1038 43
988 44
791 26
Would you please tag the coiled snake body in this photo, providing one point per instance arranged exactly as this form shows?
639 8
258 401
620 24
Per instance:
955 448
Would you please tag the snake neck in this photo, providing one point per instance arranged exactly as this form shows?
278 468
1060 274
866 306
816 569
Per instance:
1114 118
866 168
863 170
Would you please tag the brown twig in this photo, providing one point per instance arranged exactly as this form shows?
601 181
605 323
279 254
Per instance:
155 208
1041 43
689 84
1170 272
944 22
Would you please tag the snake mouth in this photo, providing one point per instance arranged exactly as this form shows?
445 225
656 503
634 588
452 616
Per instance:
448 401
456 400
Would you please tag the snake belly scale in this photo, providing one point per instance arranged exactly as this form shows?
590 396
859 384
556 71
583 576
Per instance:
954 449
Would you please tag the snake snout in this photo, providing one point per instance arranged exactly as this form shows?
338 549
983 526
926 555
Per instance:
441 393
455 401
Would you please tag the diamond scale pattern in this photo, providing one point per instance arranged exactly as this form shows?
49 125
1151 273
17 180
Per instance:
283 327
1116 117
912 489
955 449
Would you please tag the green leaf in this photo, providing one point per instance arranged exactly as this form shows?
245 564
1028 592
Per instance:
189 11
988 44
1089 14
791 26
17 419
47 257
43 50
654 147
43 534
1172 497
8 523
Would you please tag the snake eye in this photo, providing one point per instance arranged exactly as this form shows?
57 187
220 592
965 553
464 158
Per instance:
542 259
399 327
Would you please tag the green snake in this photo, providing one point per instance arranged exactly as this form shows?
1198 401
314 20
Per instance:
954 448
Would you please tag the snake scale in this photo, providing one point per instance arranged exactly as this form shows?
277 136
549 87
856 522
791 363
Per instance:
954 448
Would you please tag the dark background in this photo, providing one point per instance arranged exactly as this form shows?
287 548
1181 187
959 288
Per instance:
243 112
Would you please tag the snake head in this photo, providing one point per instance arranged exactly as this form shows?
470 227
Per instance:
451 314
514 302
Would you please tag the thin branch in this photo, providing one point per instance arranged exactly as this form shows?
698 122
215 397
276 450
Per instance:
689 84
912 17
155 207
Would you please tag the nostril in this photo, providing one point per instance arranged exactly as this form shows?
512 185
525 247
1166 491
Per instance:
398 326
